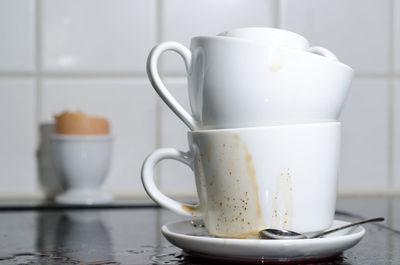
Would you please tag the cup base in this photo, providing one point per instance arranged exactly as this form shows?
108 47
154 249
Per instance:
85 197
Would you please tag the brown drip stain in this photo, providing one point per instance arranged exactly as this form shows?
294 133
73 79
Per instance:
275 67
253 177
232 201
248 235
189 209
283 193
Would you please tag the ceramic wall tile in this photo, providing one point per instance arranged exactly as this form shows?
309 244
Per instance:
396 134
97 35
396 37
17 28
182 20
175 177
365 136
18 136
357 31
130 106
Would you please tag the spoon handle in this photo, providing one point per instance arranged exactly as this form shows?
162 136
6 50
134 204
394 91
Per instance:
379 219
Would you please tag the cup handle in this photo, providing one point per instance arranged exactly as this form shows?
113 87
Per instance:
323 52
159 86
149 185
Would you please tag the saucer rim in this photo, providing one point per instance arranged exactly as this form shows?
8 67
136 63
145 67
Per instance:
358 232
254 250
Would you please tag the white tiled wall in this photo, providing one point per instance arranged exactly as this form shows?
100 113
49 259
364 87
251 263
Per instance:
396 36
18 135
208 17
96 36
91 55
358 31
365 135
17 31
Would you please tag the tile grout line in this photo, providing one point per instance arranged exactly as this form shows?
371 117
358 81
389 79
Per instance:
72 75
38 82
139 76
158 143
377 76
391 96
392 113
282 4
277 7
391 151
158 18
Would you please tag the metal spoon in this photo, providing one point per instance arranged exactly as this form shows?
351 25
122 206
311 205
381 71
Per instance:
286 234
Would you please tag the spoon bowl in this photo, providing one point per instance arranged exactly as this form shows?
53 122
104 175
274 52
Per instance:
280 234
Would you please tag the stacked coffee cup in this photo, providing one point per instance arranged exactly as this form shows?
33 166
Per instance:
264 137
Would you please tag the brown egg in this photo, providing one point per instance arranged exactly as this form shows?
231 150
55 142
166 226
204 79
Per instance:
80 124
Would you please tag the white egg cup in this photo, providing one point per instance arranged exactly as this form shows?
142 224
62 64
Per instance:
83 162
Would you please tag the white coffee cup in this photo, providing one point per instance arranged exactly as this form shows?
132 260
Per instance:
249 179
83 162
234 82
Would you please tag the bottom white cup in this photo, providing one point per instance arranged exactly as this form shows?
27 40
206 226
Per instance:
249 179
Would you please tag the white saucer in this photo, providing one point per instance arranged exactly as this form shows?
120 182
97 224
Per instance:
196 241
84 197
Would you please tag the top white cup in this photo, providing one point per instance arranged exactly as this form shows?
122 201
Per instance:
255 77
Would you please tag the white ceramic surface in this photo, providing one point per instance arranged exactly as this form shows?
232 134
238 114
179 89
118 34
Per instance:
238 83
270 37
251 178
83 161
198 242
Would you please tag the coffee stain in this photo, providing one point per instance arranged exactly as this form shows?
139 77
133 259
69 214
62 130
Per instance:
283 195
190 209
275 67
234 208
253 177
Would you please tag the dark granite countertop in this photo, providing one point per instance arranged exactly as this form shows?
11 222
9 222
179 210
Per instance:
131 235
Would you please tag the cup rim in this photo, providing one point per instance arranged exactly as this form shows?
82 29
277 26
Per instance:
81 137
271 49
265 128
315 56
284 31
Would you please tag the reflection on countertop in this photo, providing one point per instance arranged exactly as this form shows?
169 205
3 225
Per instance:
131 235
